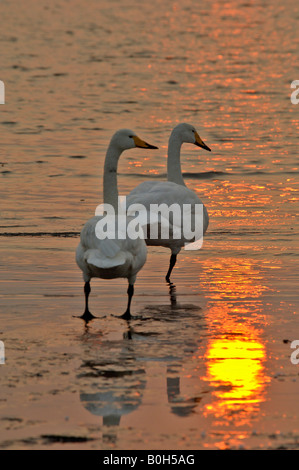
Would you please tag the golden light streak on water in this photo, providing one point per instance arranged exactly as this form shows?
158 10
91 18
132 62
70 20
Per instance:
235 369
236 354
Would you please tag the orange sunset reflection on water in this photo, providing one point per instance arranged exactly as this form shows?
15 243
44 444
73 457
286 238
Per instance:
236 354
236 372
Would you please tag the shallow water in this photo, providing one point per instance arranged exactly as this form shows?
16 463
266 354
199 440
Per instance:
207 363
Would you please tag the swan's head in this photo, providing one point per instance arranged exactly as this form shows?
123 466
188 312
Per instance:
188 133
126 139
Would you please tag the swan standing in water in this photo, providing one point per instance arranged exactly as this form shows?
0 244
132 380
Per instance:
111 258
173 191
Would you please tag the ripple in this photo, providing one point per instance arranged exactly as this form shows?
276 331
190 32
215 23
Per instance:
77 156
55 438
39 234
205 174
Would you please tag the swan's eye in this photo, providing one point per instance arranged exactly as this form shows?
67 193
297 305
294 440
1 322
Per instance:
193 131
131 137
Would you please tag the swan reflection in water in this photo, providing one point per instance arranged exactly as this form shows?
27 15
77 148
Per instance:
113 383
115 394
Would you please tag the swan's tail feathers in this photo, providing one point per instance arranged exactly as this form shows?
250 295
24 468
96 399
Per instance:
109 247
100 260
108 255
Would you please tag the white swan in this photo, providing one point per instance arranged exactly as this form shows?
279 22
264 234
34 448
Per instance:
111 258
172 191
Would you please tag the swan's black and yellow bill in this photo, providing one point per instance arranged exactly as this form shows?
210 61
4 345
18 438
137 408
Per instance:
142 144
200 143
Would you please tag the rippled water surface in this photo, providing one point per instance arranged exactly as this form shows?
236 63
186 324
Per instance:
207 363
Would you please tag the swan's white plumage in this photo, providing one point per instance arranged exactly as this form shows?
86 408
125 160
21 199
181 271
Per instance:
158 192
109 258
173 191
115 256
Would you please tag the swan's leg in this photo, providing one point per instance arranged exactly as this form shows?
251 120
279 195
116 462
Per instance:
87 315
171 265
86 292
127 315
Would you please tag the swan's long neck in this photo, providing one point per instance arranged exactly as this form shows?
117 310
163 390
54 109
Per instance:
110 190
174 172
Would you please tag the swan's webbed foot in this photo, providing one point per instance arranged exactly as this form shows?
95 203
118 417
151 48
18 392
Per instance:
126 316
87 316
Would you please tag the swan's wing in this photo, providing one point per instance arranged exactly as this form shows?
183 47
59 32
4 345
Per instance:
174 197
148 195
142 188
152 192
158 193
